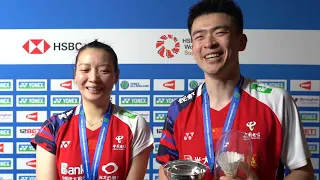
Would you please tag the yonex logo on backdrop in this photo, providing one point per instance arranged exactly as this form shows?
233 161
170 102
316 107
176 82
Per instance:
5 133
309 116
24 148
5 163
313 147
274 83
168 46
134 100
6 101
36 46
159 116
65 100
26 177
29 100
34 85
164 100
6 85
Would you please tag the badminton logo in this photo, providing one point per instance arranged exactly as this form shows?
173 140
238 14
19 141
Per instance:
168 46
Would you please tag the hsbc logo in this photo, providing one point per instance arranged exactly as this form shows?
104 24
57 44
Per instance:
305 85
67 84
33 116
31 163
41 46
36 46
168 85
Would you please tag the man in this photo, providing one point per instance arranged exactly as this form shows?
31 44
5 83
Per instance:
228 101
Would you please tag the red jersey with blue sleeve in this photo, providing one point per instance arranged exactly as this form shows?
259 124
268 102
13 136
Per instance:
267 115
128 135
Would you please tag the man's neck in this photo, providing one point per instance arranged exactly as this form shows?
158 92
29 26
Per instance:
220 89
94 112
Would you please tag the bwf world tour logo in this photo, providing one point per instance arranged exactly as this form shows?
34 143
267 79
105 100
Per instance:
36 46
168 46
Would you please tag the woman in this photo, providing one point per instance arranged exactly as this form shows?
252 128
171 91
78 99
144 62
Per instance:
97 139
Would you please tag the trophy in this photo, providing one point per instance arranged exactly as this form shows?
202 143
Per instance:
233 155
184 170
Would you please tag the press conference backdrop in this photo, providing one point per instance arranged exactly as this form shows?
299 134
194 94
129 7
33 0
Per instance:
39 42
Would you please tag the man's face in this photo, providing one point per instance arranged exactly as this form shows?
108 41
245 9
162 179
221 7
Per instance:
216 43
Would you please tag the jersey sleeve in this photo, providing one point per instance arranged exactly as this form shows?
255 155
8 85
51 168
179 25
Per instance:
295 149
142 137
45 138
167 150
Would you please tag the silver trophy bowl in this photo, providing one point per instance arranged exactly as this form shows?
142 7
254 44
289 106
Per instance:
184 170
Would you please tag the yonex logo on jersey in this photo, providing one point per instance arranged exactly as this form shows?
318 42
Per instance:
251 125
64 144
188 136
128 114
110 168
261 89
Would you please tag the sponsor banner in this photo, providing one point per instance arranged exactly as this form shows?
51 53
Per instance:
6 101
113 99
63 85
6 148
159 116
309 116
311 132
155 164
306 101
31 101
278 83
26 176
31 116
157 131
134 100
6 116
27 132
31 85
193 83
65 100
315 163
6 132
144 114
6 176
164 100
305 85
6 164
6 85
147 176
168 84
169 46
155 147
314 147
134 85
26 163
25 148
